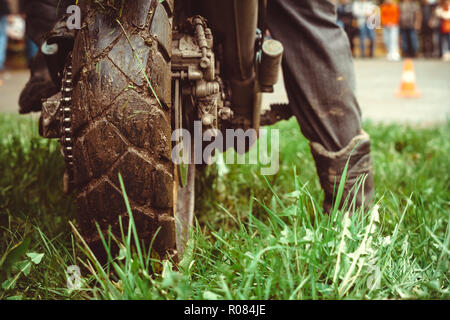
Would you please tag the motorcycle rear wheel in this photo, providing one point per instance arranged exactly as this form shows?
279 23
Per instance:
122 124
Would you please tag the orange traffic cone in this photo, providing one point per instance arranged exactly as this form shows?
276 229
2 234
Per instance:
408 86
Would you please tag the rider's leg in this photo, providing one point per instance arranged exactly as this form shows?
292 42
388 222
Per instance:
39 86
320 83
41 16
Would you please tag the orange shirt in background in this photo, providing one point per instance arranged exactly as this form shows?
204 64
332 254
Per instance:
390 14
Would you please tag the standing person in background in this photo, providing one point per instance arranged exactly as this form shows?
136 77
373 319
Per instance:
390 17
410 21
362 10
346 20
428 27
443 13
4 12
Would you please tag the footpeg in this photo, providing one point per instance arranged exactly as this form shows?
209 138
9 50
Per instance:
50 119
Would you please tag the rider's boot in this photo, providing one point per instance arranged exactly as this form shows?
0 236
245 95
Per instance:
39 87
331 165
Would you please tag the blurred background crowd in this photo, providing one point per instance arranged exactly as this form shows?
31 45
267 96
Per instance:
394 29
13 43
391 29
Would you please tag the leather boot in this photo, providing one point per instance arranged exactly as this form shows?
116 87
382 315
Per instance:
39 87
330 166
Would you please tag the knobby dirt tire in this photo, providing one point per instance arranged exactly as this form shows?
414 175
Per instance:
119 126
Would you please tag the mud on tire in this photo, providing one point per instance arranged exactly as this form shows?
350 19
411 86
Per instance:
119 126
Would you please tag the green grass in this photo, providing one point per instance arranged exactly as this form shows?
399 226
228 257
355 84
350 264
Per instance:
255 238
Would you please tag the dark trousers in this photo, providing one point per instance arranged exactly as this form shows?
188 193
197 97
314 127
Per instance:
351 34
42 16
366 33
318 70
320 82
428 42
410 42
445 43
